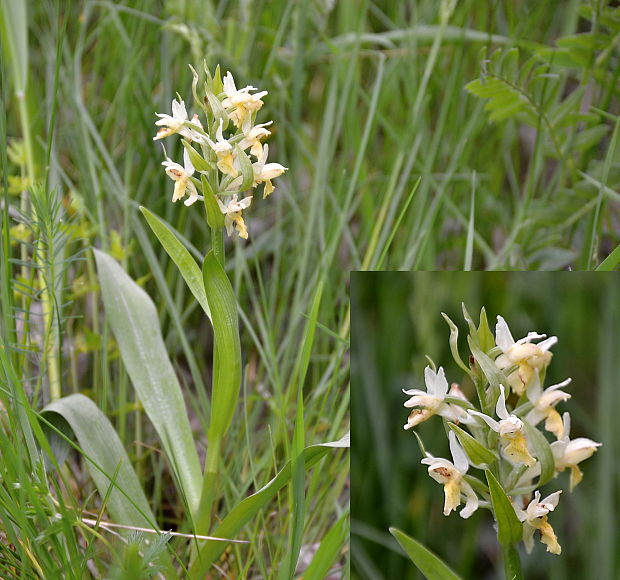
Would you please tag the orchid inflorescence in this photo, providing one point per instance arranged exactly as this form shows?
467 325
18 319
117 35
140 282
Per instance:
502 436
222 167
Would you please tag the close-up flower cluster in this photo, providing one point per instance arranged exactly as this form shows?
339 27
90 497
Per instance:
505 436
222 162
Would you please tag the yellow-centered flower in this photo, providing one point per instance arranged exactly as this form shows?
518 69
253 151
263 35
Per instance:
182 179
252 136
224 151
523 353
544 404
451 476
534 517
431 402
232 215
242 103
510 430
264 172
569 453
177 123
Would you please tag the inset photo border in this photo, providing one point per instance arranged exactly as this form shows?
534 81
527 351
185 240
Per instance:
503 462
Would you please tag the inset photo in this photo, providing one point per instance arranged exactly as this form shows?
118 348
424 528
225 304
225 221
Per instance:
484 425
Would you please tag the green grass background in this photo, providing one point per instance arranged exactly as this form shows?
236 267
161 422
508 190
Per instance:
396 321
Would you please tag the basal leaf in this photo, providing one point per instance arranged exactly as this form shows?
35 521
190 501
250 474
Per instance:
104 455
135 324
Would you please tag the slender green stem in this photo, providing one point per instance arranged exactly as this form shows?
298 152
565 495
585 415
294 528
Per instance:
203 517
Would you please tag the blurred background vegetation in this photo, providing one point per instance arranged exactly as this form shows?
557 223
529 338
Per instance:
396 321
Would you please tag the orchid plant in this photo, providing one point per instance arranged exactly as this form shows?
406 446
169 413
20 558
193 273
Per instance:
501 434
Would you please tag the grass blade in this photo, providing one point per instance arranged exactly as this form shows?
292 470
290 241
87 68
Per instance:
328 551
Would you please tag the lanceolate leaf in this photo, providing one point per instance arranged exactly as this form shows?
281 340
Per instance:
244 511
180 256
135 325
430 565
227 348
105 457
509 528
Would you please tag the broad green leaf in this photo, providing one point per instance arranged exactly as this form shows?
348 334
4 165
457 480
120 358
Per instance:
133 318
542 451
428 563
227 348
105 457
477 452
329 551
180 256
509 528
246 509
454 344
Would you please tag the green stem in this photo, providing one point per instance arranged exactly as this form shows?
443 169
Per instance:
512 562
203 516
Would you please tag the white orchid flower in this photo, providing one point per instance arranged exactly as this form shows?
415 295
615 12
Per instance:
224 151
182 178
232 215
523 353
431 401
242 103
450 475
252 136
534 517
569 453
177 123
265 172
544 404
510 430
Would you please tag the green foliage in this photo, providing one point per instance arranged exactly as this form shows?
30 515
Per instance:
509 528
428 563
133 319
106 458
